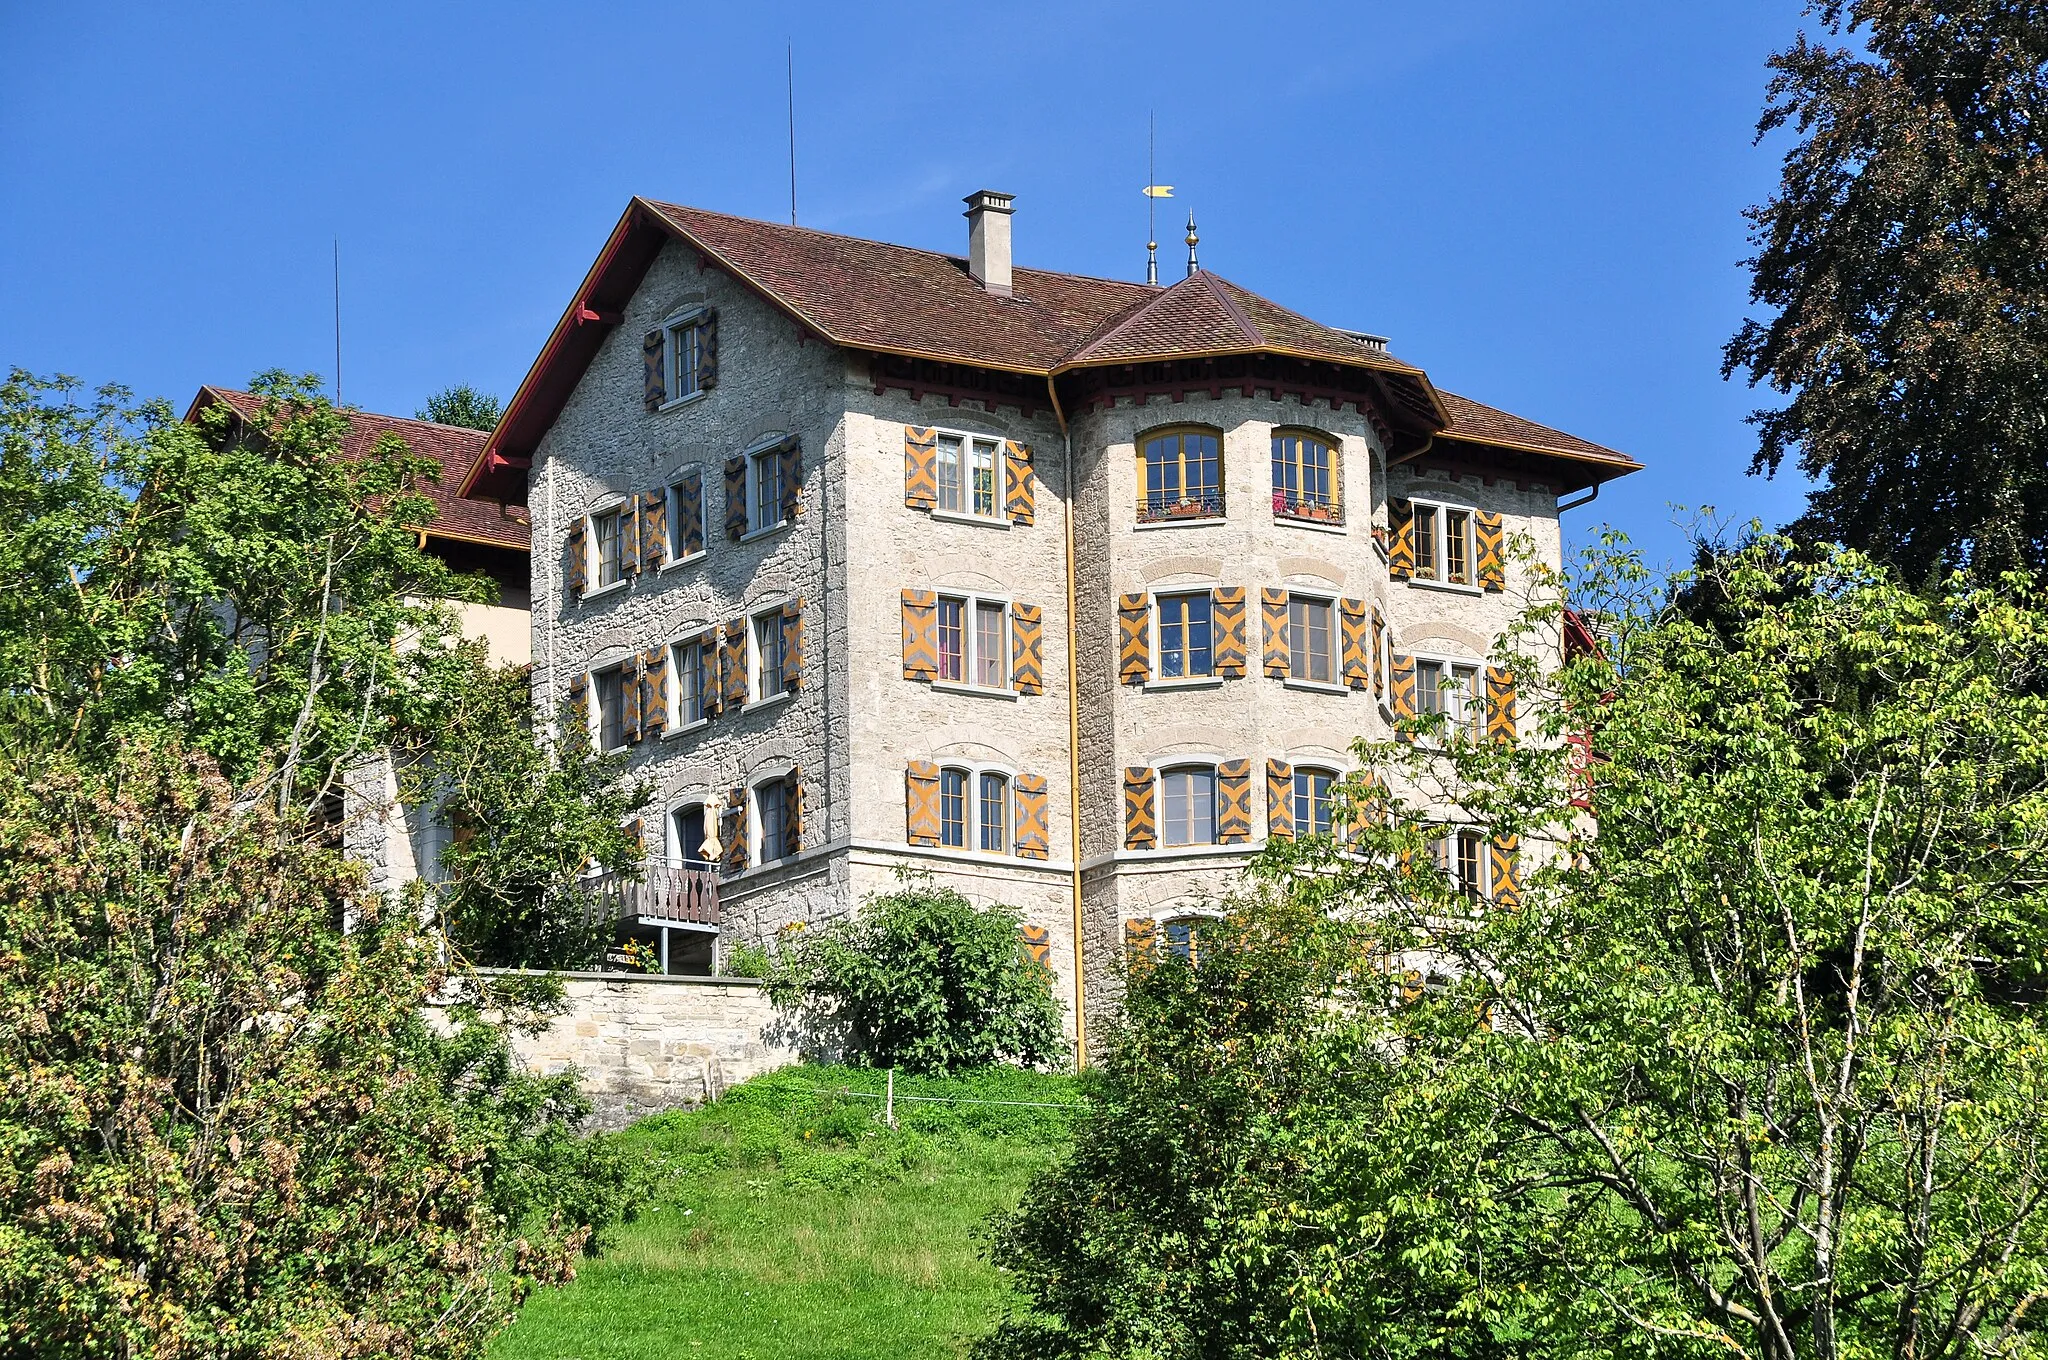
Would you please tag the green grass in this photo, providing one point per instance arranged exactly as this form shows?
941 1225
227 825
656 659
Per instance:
787 1222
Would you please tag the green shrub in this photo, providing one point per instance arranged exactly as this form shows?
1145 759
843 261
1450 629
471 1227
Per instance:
924 980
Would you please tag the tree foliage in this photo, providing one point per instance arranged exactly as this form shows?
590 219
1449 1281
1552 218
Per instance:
922 979
1756 1070
1905 262
461 405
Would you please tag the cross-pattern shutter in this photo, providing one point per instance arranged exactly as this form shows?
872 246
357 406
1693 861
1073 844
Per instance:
1226 631
1379 652
1141 819
707 351
1493 563
1141 940
653 529
1353 634
713 698
1019 503
1279 799
1273 613
629 537
793 809
1505 857
637 829
654 680
1234 799
1403 699
653 363
1034 820
733 663
1372 807
1500 703
1401 554
576 715
735 497
1134 649
920 635
1027 649
921 803
793 644
920 468
690 513
1037 942
732 830
629 698
791 457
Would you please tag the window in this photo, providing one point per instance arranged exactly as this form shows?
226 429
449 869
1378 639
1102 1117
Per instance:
764 472
1184 938
1304 477
1309 629
953 808
1190 798
1312 802
1451 689
1443 544
968 474
692 661
611 709
605 530
686 831
992 816
1460 854
685 358
1182 475
1184 636
768 656
973 646
771 805
686 532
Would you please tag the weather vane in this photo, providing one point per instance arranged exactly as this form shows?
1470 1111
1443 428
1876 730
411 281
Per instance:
1153 193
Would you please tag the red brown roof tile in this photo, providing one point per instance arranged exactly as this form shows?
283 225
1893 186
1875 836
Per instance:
1481 424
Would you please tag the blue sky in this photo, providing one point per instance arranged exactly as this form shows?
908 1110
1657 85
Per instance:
1540 204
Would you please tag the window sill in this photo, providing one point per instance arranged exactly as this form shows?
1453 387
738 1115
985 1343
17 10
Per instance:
1191 522
979 521
754 535
686 729
962 855
1317 526
1448 587
771 701
680 402
978 691
1209 848
618 585
1185 682
1316 686
689 561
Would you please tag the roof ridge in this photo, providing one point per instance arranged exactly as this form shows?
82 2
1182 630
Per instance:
1215 283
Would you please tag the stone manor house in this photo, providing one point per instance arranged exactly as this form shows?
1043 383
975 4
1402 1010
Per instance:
1071 591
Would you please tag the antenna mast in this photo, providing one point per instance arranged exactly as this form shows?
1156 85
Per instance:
337 321
789 73
1153 193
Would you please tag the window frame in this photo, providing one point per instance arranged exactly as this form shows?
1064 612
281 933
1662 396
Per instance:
1445 841
972 825
1304 826
1207 508
681 856
998 465
1207 595
700 642
971 604
1161 774
1296 507
690 321
672 549
1438 544
615 515
1331 639
757 824
617 675
764 468
1191 923
1473 720
757 671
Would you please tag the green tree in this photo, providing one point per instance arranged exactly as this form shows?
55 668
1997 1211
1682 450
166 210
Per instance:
1747 1072
922 979
461 405
1903 260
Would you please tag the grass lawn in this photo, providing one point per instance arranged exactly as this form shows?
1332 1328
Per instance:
786 1221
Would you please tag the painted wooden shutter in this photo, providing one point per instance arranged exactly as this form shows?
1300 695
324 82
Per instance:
653 529
735 497
793 645
1234 796
1273 612
1034 819
579 557
1037 942
629 538
654 706
921 803
713 698
629 698
1379 652
733 664
637 829
1019 503
1027 649
1505 856
791 458
793 809
920 468
1279 799
1141 819
1134 649
1141 938
1355 635
733 831
1372 808
1403 698
690 513
920 635
653 377
707 351
1226 631
1493 562
1401 554
576 718
1500 704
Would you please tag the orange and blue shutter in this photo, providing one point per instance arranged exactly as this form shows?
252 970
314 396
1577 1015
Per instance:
1354 632
793 810
653 378
1279 799
1037 942
1027 649
920 635
1403 697
1226 631
733 663
1500 704
790 456
1379 652
1493 564
1034 820
1019 503
733 831
576 715
1141 818
707 350
579 557
690 514
921 803
1134 649
1505 856
654 678
1234 802
1273 613
653 529
793 644
920 468
735 497
1401 552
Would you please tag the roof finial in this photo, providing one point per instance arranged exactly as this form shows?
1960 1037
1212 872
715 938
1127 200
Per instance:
1193 265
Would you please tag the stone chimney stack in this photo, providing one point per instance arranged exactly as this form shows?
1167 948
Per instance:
988 239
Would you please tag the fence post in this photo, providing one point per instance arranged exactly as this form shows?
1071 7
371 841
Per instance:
889 1108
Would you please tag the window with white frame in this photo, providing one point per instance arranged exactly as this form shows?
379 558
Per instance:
1188 805
1312 800
768 655
610 692
1444 548
771 821
686 836
1304 476
1184 635
685 356
1181 937
692 669
1460 852
764 480
687 531
992 811
974 809
974 641
607 540
1311 629
1452 689
970 475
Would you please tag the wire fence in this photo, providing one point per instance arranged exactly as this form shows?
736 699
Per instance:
938 1100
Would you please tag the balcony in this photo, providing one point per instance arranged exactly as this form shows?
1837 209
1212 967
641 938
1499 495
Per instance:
664 917
1169 507
1307 507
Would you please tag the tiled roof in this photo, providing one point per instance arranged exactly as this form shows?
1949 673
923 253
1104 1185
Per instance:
1485 425
456 449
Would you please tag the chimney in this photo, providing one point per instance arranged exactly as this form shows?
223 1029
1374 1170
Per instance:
988 239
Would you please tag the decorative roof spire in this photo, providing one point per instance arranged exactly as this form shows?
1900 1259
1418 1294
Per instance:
1193 264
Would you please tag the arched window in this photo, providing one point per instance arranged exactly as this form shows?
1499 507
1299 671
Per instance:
1460 851
1180 475
974 809
992 812
772 822
1188 796
1312 801
1305 476
686 835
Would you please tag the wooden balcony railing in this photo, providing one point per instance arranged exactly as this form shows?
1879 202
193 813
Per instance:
659 895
